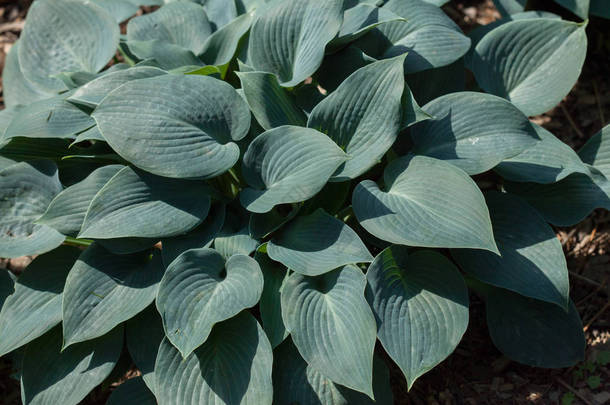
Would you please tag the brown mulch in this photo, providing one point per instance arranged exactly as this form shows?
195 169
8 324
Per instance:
477 373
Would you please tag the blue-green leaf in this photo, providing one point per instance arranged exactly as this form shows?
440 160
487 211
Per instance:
92 93
81 37
534 332
54 376
458 135
420 302
104 290
272 105
67 210
199 290
427 203
295 382
586 192
332 325
49 118
220 47
138 204
287 164
288 38
35 306
596 151
316 244
182 23
200 237
165 126
548 161
363 116
16 89
237 348
532 262
144 334
274 275
519 61
26 189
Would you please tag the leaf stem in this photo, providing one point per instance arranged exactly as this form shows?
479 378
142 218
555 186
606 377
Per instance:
70 241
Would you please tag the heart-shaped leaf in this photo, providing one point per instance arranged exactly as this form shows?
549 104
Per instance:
175 125
199 289
532 262
92 93
234 238
67 210
50 375
420 302
287 164
363 116
428 203
428 37
138 204
104 290
518 61
83 37
272 105
26 189
295 382
459 136
548 161
49 118
144 334
316 244
596 151
332 325
238 348
35 306
200 237
180 23
274 275
516 325
288 38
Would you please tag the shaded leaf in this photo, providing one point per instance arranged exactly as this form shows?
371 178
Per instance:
532 262
67 210
132 391
35 306
221 46
144 333
52 376
534 332
596 151
104 290
237 347
316 244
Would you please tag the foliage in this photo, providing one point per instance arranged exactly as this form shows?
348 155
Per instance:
264 189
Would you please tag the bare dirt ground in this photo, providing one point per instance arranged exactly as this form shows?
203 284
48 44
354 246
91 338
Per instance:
477 373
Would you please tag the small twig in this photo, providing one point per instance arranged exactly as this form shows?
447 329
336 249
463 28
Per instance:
571 121
585 279
592 293
599 104
569 387
12 26
597 315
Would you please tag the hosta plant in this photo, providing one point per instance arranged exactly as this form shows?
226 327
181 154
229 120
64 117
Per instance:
252 201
